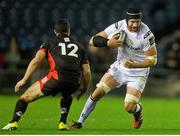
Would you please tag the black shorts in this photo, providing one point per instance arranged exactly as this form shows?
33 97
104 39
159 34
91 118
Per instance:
51 85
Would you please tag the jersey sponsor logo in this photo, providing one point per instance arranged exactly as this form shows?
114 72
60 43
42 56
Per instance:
151 40
147 34
133 48
116 25
129 43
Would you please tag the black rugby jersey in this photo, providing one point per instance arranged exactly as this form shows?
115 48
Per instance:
65 55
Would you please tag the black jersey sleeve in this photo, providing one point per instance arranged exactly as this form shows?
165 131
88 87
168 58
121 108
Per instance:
45 46
84 57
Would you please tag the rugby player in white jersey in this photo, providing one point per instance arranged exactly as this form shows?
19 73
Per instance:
136 54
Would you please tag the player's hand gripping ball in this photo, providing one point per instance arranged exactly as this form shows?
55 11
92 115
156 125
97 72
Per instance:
121 36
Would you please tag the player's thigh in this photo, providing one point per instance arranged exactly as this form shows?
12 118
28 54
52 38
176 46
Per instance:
109 80
133 91
33 92
136 83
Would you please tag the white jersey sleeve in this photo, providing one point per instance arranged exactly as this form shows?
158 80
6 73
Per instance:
113 29
149 41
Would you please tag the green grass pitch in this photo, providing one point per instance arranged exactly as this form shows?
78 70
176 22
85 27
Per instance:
161 116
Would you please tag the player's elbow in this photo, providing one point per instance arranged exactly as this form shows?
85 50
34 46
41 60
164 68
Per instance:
153 60
153 64
87 73
91 41
86 69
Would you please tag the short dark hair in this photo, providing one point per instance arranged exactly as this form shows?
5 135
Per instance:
62 26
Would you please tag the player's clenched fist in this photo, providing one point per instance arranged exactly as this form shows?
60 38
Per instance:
121 36
128 63
117 40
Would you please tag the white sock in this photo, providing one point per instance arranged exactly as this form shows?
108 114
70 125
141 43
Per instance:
138 107
88 108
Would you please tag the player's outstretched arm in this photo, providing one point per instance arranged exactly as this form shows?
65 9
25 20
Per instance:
33 65
86 79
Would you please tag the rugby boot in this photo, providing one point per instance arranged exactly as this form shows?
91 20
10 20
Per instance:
138 118
76 125
62 126
11 126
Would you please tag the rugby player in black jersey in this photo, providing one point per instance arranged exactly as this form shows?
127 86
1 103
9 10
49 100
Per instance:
68 66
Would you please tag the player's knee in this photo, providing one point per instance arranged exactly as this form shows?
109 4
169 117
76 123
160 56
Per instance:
103 87
129 107
26 98
131 98
130 103
66 97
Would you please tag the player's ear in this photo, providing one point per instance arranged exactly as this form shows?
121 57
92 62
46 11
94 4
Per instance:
69 32
55 32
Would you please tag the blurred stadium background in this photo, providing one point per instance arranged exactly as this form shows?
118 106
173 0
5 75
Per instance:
25 25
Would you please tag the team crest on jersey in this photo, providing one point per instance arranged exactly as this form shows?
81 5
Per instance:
129 42
147 34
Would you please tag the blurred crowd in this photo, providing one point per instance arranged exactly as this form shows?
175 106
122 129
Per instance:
25 25
17 53
169 51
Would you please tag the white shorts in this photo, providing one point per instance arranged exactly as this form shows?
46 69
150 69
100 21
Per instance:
136 82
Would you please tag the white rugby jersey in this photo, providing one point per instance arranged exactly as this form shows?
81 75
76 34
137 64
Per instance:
135 45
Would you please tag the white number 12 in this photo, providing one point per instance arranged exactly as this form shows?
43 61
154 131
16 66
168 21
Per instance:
73 52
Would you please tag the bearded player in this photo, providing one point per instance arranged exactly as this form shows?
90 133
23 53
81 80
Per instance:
136 54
